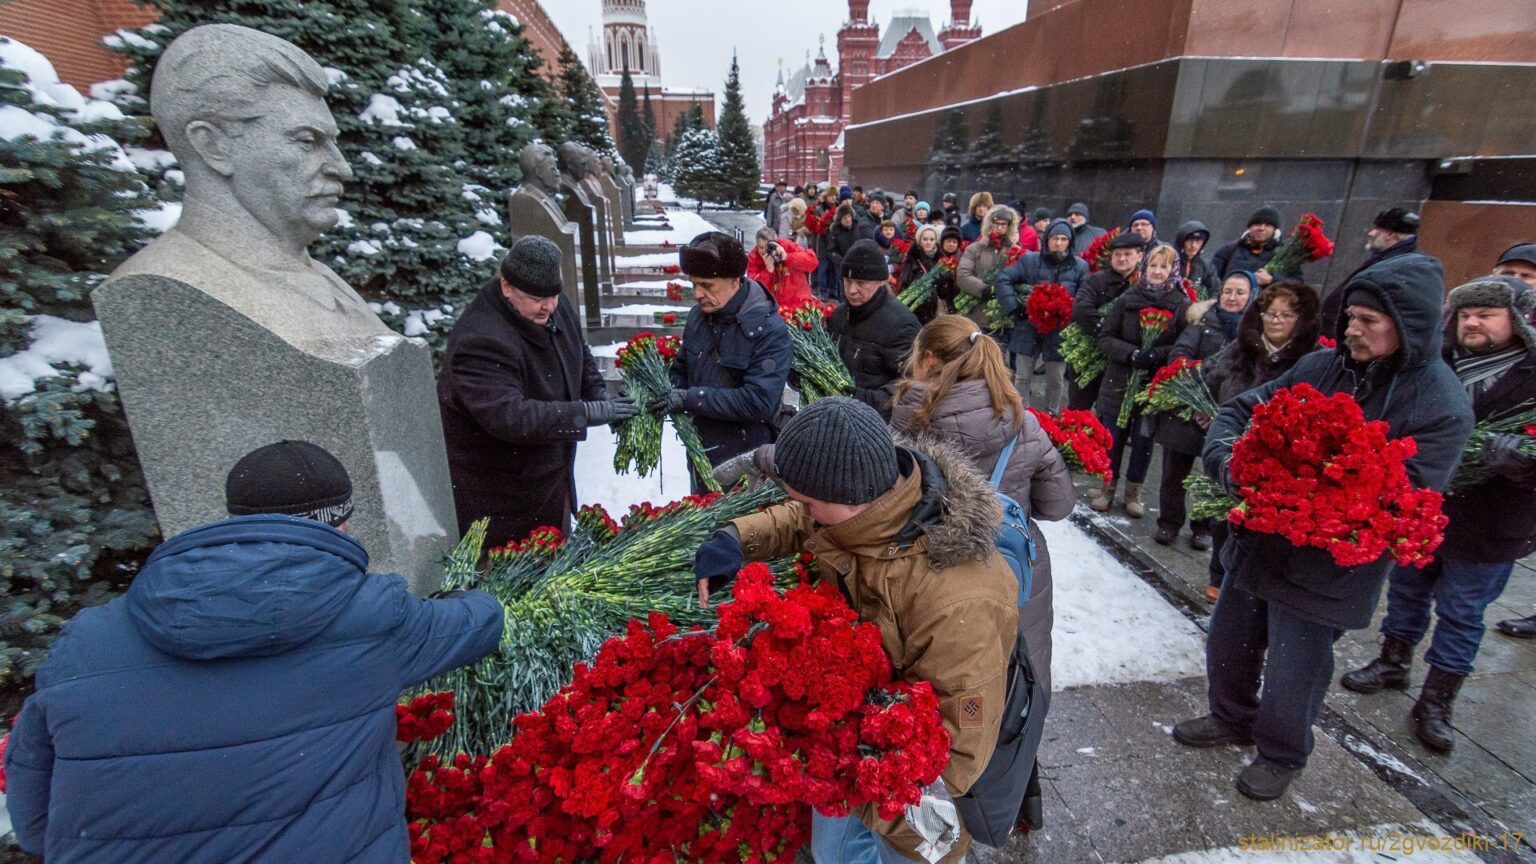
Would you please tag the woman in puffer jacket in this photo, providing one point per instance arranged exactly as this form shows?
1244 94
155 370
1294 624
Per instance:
959 390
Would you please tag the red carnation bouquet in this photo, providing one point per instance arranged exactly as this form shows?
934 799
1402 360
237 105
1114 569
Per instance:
924 287
676 290
818 364
897 251
1154 323
671 269
1306 243
705 746
1097 253
1048 308
423 718
645 364
1311 469
1325 343
1179 387
1081 439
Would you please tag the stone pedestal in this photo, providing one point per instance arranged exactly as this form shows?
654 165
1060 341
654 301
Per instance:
531 211
613 193
579 209
608 238
203 384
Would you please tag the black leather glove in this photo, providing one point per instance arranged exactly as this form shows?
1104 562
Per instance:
1501 453
606 411
670 402
716 563
1144 358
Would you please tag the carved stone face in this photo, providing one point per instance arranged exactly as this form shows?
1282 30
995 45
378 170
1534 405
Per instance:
540 169
284 167
608 165
580 162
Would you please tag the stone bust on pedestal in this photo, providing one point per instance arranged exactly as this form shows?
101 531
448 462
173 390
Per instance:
533 208
226 335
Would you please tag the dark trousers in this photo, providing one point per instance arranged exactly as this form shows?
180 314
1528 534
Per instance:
1219 536
1141 448
1170 492
1460 592
1082 398
1252 639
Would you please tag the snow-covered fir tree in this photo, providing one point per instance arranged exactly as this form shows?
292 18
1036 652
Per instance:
74 508
633 141
741 171
580 92
696 167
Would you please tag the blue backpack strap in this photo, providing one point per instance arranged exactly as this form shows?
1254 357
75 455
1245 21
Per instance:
1002 462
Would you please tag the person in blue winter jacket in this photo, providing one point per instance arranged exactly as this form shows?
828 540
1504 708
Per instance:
237 704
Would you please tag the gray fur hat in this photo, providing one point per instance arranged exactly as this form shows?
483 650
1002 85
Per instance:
532 266
1497 292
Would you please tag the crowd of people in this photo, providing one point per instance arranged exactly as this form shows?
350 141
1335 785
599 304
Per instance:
288 697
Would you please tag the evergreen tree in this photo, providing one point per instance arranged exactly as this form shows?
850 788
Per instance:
655 160
74 510
697 167
553 117
741 171
632 138
494 72
590 120
648 117
406 208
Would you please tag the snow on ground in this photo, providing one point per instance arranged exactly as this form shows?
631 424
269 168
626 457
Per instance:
610 351
1421 841
598 483
645 309
1110 626
653 261
685 227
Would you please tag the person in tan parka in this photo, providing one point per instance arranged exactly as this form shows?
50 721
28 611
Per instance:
983 255
906 529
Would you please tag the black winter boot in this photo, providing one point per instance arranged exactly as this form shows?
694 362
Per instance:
1431 715
1389 671
1520 628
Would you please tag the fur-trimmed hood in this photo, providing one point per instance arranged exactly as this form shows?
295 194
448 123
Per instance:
1001 214
1196 311
958 511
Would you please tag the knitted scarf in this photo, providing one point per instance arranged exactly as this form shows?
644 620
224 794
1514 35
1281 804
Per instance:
1478 372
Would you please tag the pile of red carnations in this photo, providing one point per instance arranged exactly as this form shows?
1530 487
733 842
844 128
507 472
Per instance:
1048 308
1081 439
700 746
1311 469
424 717
676 290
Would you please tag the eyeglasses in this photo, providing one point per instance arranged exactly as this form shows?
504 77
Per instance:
1278 317
1234 292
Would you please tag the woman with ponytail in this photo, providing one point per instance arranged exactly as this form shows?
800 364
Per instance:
958 389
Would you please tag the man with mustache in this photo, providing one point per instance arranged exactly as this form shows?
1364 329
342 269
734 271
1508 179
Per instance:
1283 607
1493 518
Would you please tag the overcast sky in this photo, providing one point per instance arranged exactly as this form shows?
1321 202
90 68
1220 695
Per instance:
696 36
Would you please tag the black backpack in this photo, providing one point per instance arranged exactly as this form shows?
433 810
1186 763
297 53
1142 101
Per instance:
990 809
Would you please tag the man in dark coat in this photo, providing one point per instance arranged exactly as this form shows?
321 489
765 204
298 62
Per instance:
874 330
1395 232
847 229
1252 250
1056 264
518 389
237 703
1294 603
1492 349
1190 241
1097 292
1083 234
1518 261
736 354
